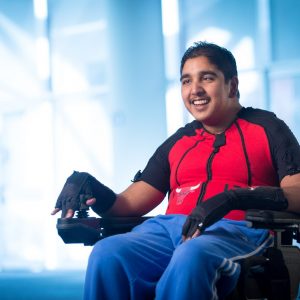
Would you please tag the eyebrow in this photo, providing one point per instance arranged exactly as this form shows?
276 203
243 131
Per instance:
202 73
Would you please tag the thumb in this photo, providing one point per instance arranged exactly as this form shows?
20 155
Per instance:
91 201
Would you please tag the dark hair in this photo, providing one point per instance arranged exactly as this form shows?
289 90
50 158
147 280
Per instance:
222 58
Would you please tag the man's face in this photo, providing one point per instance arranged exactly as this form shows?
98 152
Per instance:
204 91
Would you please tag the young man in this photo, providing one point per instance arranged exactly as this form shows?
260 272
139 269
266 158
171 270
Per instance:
226 161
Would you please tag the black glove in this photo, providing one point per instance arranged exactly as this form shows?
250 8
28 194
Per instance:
213 209
81 186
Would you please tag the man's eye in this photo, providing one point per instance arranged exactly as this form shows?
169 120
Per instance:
185 81
208 78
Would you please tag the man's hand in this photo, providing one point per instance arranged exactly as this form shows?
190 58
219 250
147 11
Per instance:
81 188
70 212
205 214
75 191
213 209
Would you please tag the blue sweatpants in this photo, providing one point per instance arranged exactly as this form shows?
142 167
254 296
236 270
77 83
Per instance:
152 262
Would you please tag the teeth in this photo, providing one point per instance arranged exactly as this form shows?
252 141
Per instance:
200 102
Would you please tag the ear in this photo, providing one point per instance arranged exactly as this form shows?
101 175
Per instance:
234 87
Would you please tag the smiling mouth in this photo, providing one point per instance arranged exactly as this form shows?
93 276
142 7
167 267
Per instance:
199 102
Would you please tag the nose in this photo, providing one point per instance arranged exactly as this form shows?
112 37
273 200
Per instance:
197 88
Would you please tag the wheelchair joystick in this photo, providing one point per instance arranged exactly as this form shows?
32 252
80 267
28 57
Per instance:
83 211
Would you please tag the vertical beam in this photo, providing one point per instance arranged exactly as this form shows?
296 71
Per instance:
136 83
265 49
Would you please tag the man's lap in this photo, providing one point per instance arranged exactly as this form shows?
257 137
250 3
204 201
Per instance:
161 236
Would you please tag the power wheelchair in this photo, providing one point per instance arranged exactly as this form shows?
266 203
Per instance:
273 276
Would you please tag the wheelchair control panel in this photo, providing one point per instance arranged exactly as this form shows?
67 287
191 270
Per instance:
89 230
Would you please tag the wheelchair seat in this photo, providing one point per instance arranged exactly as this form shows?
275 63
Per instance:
273 276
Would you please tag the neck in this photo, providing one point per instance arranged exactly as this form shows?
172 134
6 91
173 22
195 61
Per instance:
229 119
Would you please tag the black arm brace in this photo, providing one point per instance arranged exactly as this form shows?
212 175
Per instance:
271 198
213 209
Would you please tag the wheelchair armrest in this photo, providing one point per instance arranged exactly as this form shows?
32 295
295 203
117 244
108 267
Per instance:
274 220
90 230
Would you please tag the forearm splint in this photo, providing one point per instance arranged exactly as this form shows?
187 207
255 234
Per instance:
213 209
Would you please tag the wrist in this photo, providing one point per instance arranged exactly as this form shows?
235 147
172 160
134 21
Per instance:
263 197
105 197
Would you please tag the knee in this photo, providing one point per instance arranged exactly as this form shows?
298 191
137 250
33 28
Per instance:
191 254
191 248
107 251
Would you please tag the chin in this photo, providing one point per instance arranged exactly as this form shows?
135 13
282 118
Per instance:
199 117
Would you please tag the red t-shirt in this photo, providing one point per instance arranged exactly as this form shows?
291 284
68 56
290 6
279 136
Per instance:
193 165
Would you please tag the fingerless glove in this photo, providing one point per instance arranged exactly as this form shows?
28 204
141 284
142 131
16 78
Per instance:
81 186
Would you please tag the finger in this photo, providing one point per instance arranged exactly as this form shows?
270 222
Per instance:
185 239
91 201
196 234
70 213
186 227
192 230
55 211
